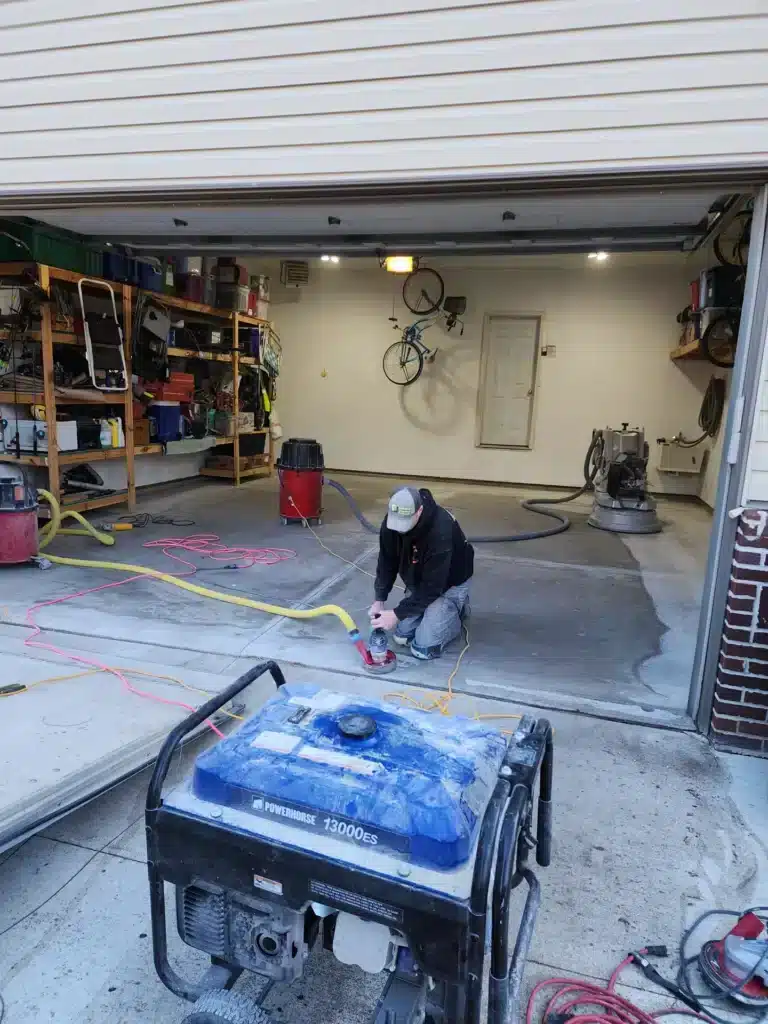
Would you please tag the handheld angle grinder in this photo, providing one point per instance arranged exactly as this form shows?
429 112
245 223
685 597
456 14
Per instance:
377 657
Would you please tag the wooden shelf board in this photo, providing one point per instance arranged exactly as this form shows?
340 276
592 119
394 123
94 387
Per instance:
73 277
38 398
249 361
229 474
192 353
148 449
175 302
688 350
101 502
25 459
253 321
96 455
69 458
59 337
16 268
86 504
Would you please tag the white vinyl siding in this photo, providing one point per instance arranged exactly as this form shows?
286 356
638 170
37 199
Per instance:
133 94
756 482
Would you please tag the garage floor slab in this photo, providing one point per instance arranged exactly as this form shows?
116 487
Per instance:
584 621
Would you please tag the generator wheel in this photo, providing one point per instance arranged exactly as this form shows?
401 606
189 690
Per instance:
219 1007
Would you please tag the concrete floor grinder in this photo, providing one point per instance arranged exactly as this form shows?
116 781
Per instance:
391 836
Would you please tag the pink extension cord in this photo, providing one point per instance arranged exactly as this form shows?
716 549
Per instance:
206 545
579 1002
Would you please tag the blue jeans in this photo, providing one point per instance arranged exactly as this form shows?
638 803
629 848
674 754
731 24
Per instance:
439 623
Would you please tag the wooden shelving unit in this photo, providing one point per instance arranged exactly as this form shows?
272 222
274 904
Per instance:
51 395
235 358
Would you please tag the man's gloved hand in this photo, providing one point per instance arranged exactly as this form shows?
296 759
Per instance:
384 620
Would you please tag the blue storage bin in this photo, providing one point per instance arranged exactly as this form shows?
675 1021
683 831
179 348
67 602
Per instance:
118 267
149 276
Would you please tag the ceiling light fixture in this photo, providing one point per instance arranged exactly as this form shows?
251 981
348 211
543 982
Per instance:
399 264
329 259
601 256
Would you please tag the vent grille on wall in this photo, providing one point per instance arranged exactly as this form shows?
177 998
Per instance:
294 273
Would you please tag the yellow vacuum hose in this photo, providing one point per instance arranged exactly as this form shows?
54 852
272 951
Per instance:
51 529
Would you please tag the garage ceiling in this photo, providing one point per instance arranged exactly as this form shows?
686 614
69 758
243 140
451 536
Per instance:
658 219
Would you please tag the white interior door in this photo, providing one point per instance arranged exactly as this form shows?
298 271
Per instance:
507 380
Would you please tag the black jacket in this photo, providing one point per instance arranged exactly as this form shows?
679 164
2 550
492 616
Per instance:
430 559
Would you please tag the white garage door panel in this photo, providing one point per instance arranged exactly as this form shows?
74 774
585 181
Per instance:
611 81
406 19
252 92
448 29
565 116
379 67
662 148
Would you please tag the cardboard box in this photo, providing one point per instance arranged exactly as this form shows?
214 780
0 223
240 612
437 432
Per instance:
141 433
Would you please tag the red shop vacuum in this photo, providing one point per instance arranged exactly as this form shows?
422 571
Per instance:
18 516
300 470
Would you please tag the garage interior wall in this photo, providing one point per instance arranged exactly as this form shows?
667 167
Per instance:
612 327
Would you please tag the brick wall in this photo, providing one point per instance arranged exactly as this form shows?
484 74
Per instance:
740 713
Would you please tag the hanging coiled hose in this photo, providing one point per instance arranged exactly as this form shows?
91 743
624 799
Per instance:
710 413
591 463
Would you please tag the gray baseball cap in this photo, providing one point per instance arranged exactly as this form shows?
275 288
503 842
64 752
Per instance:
403 507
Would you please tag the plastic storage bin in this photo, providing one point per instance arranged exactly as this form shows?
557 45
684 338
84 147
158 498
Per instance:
165 421
118 267
27 240
149 276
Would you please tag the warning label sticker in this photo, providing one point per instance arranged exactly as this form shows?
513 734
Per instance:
356 901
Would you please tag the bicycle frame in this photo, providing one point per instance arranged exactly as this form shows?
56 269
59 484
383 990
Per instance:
414 334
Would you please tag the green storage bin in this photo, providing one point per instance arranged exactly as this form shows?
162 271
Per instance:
42 243
92 262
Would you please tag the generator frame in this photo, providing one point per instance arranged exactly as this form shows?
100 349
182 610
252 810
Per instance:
443 974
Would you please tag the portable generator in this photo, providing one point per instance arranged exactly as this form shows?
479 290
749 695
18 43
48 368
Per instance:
391 836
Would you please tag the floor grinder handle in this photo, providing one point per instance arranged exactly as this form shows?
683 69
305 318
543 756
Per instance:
191 722
544 810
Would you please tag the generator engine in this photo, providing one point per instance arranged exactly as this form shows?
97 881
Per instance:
622 503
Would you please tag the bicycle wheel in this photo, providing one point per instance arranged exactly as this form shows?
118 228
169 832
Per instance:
423 291
403 363
718 342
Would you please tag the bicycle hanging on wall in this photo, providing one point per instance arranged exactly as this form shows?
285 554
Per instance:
423 293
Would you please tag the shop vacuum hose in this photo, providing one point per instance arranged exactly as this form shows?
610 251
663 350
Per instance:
53 528
531 504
